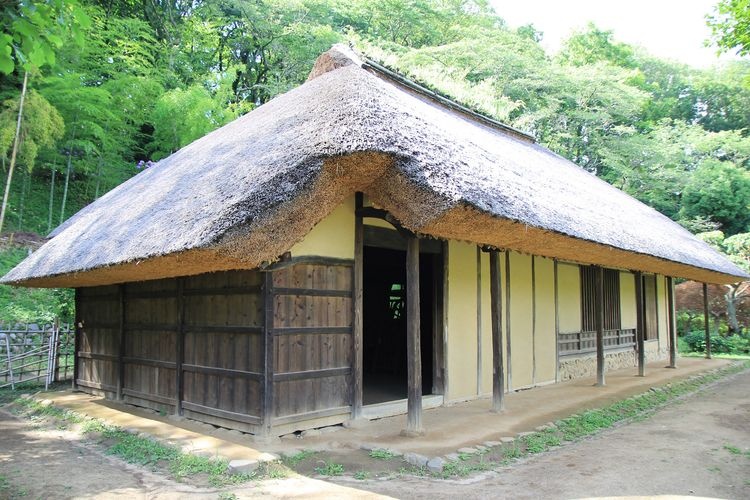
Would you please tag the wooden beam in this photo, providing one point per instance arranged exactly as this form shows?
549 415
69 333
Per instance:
705 321
180 359
640 324
268 344
671 328
358 281
413 348
120 341
496 312
600 326
77 338
509 369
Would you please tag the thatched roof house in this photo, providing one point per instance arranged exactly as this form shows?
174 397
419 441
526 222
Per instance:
245 193
296 204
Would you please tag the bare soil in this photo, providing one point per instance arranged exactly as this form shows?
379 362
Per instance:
699 446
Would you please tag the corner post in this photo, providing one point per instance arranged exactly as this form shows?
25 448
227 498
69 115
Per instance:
671 328
600 326
413 349
498 377
78 323
640 315
358 280
705 321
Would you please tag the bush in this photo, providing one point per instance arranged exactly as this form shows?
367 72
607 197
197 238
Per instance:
733 344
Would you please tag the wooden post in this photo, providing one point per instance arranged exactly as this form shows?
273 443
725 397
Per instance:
508 357
268 344
705 321
498 377
357 344
671 329
121 341
600 327
77 338
640 324
179 378
413 349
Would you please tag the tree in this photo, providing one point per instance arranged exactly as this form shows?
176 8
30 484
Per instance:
730 26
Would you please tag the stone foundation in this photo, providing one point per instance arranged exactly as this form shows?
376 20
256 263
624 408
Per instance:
585 365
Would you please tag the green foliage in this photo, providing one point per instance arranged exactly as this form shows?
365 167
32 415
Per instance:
330 469
719 190
381 454
720 344
730 25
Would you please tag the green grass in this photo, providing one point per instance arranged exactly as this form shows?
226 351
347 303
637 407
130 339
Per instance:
381 454
330 469
361 475
299 457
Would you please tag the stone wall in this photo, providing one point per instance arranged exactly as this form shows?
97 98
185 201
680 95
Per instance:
585 365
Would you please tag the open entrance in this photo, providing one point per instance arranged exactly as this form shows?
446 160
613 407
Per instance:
384 322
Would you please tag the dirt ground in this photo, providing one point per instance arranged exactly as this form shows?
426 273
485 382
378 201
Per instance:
681 450
697 447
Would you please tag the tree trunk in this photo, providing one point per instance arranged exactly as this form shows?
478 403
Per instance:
16 141
731 298
51 198
67 181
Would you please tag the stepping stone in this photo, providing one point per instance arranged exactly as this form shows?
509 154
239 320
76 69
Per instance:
452 457
435 465
467 451
416 459
507 439
236 467
492 444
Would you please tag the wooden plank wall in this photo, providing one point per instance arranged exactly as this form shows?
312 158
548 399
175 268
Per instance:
98 312
209 325
312 342
223 363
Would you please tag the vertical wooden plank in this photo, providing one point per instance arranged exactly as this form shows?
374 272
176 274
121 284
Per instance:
413 350
268 348
358 279
640 323
121 341
705 321
509 375
671 328
496 311
77 338
180 340
600 326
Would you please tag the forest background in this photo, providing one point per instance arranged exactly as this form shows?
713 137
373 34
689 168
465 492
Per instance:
112 86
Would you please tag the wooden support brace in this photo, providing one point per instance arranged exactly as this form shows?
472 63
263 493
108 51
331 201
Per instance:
357 344
600 327
705 321
413 349
268 345
640 315
498 377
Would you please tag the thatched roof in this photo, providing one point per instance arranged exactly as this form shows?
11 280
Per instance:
247 192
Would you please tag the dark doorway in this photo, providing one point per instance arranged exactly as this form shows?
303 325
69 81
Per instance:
384 325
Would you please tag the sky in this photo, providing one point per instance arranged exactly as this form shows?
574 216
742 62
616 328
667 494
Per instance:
671 29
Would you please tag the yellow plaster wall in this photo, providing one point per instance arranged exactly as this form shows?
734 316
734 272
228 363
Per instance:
462 321
521 317
569 297
545 338
661 308
628 316
331 237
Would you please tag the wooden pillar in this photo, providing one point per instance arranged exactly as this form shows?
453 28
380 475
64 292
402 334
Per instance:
413 349
600 326
671 327
357 345
498 377
268 343
121 342
179 376
640 332
705 321
78 324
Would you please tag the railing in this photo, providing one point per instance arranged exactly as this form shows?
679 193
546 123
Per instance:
584 342
34 352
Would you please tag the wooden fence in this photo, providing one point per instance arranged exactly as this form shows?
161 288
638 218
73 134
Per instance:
31 352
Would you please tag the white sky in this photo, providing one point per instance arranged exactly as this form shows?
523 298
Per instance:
671 29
